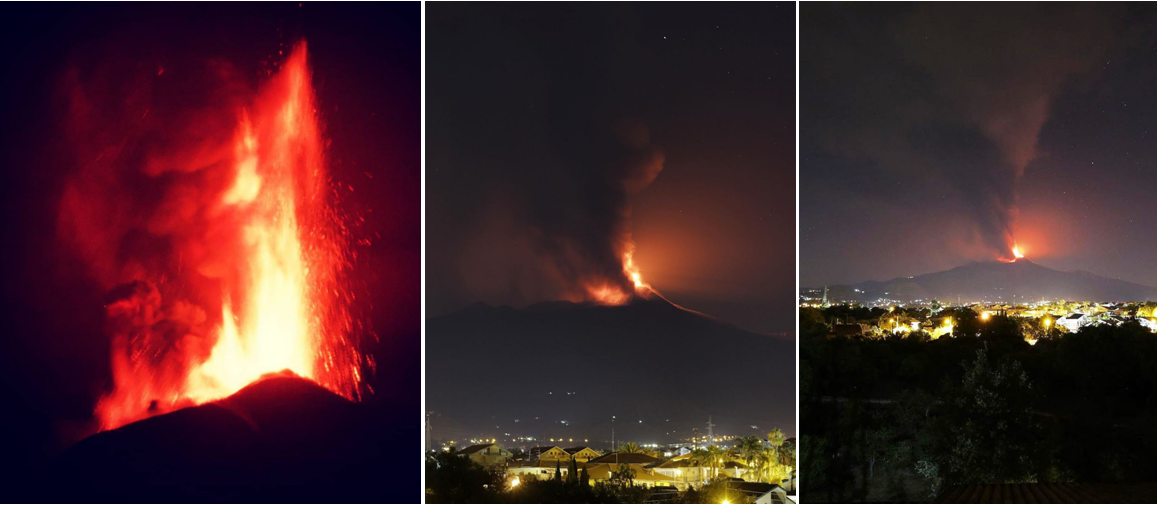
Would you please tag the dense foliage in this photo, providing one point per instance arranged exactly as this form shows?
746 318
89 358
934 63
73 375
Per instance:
900 418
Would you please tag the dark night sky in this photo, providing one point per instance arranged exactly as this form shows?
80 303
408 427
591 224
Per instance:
929 133
54 357
524 102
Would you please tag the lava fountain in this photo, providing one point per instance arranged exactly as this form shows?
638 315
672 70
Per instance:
253 276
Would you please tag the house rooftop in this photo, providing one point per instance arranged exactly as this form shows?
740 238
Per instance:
625 457
573 450
601 471
474 448
543 448
753 488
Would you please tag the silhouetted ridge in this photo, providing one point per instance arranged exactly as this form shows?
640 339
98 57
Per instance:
631 358
280 439
1022 280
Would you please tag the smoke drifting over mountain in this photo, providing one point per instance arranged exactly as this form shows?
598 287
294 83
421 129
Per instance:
949 100
559 137
582 223
555 198
565 224
1000 70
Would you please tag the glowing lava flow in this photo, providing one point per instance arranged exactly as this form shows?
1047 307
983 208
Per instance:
609 293
276 276
1015 252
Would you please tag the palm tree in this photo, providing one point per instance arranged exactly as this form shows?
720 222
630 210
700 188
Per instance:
751 450
714 456
776 438
700 456
629 448
768 463
787 454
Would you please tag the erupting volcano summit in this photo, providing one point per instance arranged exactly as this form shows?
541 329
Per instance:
228 260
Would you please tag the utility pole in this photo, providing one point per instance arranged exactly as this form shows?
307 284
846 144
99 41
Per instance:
613 448
429 429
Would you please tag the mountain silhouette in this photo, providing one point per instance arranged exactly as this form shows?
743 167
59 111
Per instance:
564 369
282 439
1022 280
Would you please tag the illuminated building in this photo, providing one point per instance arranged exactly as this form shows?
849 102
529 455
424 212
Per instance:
486 454
1073 322
582 454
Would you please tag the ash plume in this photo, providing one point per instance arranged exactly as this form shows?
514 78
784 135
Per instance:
547 227
582 226
548 214
151 143
943 106
1000 69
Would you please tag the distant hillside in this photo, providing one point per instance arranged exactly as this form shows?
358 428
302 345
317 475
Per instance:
1022 280
648 360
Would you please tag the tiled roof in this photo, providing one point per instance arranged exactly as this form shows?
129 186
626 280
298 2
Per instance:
625 457
603 471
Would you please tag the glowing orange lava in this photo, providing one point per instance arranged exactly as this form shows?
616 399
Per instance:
609 293
1013 255
276 256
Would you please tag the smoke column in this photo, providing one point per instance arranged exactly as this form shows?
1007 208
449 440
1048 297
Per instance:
1002 77
584 230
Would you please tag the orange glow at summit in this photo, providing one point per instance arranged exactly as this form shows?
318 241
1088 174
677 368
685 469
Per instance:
1015 252
609 293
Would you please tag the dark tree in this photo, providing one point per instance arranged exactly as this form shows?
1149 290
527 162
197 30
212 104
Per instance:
451 478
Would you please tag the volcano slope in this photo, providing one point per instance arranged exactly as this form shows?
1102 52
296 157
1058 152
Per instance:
648 360
282 439
1022 280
